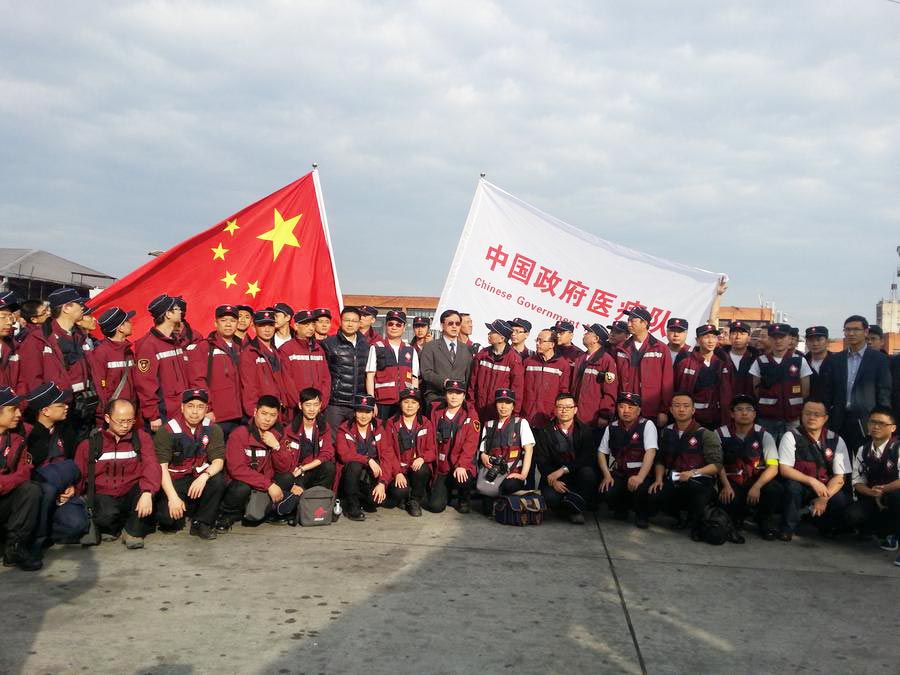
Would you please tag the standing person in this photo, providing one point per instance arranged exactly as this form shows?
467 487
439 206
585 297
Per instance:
618 334
508 442
626 458
322 316
565 454
813 462
421 333
9 359
644 366
283 314
749 474
347 352
521 329
547 375
392 366
676 335
190 449
564 331
214 366
184 332
364 460
244 324
161 374
465 333
742 356
306 361
20 498
875 338
442 359
819 361
263 369
781 380
860 380
705 374
410 444
595 379
457 430
112 360
495 367
367 317
308 439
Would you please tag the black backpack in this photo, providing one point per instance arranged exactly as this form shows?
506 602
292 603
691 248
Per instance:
716 527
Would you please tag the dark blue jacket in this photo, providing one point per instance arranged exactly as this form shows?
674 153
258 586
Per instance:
347 365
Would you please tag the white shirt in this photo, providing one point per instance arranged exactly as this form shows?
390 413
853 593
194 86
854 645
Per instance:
455 344
526 435
278 340
805 370
788 447
651 440
816 364
637 345
371 361
858 475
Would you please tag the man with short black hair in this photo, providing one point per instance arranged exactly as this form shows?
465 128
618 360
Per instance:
347 352
465 332
283 315
518 339
875 338
308 439
442 359
818 358
322 317
244 324
564 333
676 335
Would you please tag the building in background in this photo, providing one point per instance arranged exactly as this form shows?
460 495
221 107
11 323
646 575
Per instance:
33 273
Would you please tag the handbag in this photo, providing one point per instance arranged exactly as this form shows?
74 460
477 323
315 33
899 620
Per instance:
257 506
522 508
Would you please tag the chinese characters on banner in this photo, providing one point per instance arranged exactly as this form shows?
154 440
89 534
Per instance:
515 261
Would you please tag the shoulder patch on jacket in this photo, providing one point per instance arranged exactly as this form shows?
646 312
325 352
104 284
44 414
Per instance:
143 365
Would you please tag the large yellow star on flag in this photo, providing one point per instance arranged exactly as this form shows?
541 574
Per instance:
232 226
253 288
219 252
229 279
282 234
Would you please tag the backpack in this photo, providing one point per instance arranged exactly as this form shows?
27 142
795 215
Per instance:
716 527
525 507
316 507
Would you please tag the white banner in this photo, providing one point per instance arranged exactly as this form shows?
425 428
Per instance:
516 261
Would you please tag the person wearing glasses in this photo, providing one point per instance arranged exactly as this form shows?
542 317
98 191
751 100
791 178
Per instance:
521 329
446 358
392 366
812 461
547 374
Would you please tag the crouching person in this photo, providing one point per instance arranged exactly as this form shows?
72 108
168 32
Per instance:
505 451
456 431
308 440
253 455
365 469
812 461
410 442
20 499
565 454
120 461
191 453
626 455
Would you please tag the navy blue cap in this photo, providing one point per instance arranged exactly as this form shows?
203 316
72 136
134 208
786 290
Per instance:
47 394
180 302
455 385
817 331
264 317
409 392
563 326
395 315
244 308
629 397
621 326
421 321
284 308
521 323
744 398
367 309
638 312
363 402
112 318
8 397
598 330
505 395
160 305
9 301
875 329
304 316
779 329
319 312
195 395
227 310
738 326
500 327
706 329
61 296
676 324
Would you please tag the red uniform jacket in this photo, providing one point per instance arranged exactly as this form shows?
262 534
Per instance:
303 449
348 444
741 379
456 440
15 462
41 359
373 335
264 373
9 363
119 467
160 375
423 443
489 373
251 461
595 384
219 375
307 366
544 380
710 386
110 361
570 352
647 372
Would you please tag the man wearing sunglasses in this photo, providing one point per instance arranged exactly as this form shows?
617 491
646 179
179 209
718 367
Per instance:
392 366
446 358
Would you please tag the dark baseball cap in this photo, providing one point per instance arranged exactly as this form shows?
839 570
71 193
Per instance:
629 397
304 316
563 326
421 321
816 331
875 329
244 308
363 402
744 398
676 324
160 305
47 394
8 397
62 296
112 318
598 330
795 331
779 329
180 302
227 310
738 326
500 327
409 392
195 395
505 395
284 308
368 309
620 326
521 323
639 312
264 317
395 315
319 312
706 329
455 385
9 301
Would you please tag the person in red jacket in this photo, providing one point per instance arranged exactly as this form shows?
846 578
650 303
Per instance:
564 333
367 317
645 367
618 334
305 357
706 374
742 356
214 366
497 366
421 333
20 498
411 444
308 439
322 316
521 329
112 360
244 324
126 476
263 369
253 455
676 334
547 374
9 359
365 467
391 367
595 379
456 430
161 372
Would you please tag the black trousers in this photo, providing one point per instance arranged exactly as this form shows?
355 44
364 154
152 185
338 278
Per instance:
441 488
61 524
357 483
321 476
387 410
112 514
335 415
797 495
691 496
202 510
865 515
416 485
234 501
621 500
771 498
19 512
510 485
582 481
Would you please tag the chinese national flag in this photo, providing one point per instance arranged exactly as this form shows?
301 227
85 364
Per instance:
276 250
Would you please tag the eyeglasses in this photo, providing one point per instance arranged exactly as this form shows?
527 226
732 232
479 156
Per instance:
124 423
744 409
565 407
395 324
880 423
518 331
452 323
814 413
539 341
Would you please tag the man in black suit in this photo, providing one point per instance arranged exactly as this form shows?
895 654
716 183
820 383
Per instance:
860 380
446 358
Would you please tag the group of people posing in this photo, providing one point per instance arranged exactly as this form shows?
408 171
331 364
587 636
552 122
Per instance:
118 439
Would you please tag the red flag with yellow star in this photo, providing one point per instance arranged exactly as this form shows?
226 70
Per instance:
276 250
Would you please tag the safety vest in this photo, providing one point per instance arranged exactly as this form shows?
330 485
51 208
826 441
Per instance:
188 451
627 447
308 447
684 453
506 443
393 372
780 394
408 440
811 458
368 445
880 470
742 457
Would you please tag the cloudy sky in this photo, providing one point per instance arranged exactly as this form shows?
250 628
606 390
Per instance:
761 139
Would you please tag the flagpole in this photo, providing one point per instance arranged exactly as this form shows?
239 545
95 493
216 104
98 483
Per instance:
321 202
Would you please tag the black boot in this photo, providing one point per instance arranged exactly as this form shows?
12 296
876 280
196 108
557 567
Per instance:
18 555
413 508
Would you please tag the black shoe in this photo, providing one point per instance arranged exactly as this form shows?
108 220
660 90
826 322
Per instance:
223 525
736 538
769 535
696 535
464 506
413 508
355 514
16 555
279 520
680 524
369 507
576 518
785 536
202 530
641 522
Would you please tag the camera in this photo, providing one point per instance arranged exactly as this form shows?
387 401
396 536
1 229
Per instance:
498 468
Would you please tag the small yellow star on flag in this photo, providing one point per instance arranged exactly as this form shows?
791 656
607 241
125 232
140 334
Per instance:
253 288
232 226
219 252
229 279
282 233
